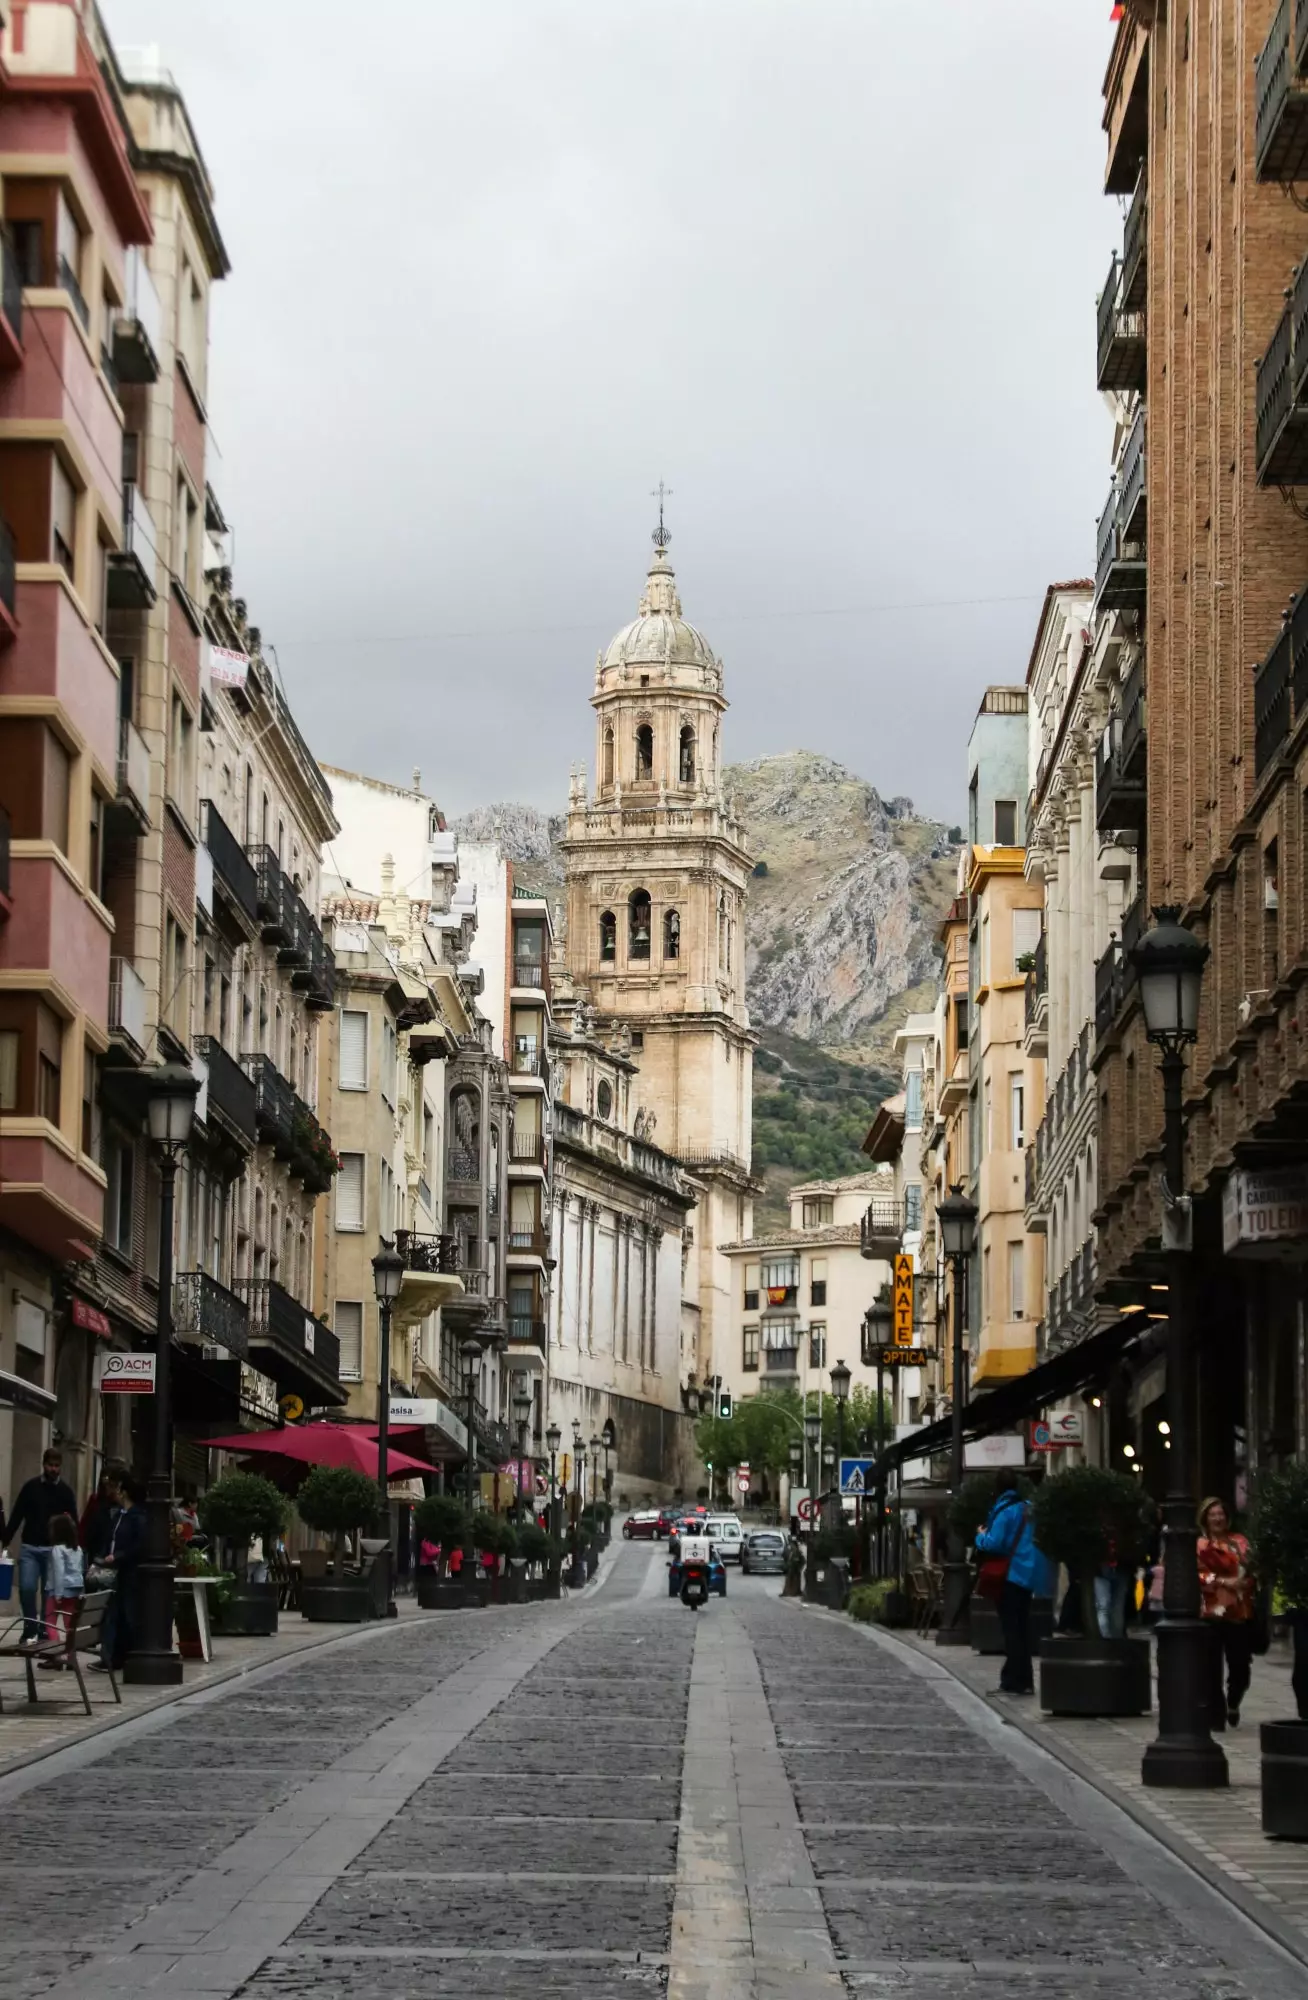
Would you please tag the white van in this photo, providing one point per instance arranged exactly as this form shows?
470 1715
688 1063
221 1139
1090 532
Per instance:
726 1535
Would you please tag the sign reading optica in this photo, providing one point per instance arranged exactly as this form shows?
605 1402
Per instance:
127 1374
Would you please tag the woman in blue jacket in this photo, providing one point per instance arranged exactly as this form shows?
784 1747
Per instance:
1008 1533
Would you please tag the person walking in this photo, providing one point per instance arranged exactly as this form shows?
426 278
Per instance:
1228 1600
67 1579
36 1507
1008 1536
96 1529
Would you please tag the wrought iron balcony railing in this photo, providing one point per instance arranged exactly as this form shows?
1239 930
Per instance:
232 866
232 1094
206 1311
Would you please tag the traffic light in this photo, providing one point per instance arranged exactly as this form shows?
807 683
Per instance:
724 1405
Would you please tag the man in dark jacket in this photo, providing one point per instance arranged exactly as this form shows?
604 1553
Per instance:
37 1504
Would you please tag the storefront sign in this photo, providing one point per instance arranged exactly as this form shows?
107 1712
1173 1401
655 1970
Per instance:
1266 1213
90 1318
310 1333
1053 1433
902 1300
126 1374
258 1393
1001 1448
905 1357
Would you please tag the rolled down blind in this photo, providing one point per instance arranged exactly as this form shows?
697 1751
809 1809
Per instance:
354 1050
349 1192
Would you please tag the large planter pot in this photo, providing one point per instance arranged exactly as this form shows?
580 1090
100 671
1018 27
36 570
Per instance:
1095 1676
326 1602
430 1587
514 1584
592 1560
250 1611
1285 1779
541 1589
988 1634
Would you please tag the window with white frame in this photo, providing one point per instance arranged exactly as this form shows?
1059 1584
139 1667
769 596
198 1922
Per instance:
349 1192
1027 926
348 1318
1017 1110
913 1099
354 1049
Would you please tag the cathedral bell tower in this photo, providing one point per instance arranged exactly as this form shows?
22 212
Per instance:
657 874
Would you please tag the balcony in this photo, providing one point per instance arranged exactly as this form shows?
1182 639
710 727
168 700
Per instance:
1281 98
1121 795
133 579
67 280
1120 336
527 1149
291 1344
1126 106
11 307
1280 402
493 1438
133 774
205 1311
138 324
8 586
127 1004
1135 249
1131 513
1119 562
1273 691
431 1276
526 1332
1110 987
320 974
881 1228
233 870
274 1104
1036 1001
232 1097
275 901
532 1242
529 1061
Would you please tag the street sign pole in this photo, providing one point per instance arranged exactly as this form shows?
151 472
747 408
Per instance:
881 1478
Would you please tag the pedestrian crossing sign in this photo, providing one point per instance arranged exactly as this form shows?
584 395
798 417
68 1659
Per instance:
857 1475
902 1301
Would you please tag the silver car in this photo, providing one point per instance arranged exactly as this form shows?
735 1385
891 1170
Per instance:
764 1553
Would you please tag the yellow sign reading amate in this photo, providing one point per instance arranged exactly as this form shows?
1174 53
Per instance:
903 1301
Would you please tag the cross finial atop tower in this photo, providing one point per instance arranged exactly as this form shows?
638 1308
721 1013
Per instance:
662 536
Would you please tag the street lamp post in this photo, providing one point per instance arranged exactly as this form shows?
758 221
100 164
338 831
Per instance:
840 1379
522 1409
876 1338
595 1449
957 1218
470 1356
553 1439
152 1662
812 1437
1169 962
388 1269
609 1434
577 1568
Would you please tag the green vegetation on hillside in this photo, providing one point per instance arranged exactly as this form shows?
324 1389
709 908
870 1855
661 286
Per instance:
811 1115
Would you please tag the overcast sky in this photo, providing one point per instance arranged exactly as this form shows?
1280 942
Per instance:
828 267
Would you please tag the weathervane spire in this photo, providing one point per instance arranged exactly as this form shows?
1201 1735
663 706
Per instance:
662 536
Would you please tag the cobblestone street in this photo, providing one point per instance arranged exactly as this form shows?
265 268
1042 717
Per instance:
607 1796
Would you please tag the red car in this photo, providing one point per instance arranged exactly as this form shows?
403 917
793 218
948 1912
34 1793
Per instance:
642 1527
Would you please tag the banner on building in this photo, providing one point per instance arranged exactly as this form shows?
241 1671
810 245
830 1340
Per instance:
90 1319
1266 1214
228 668
123 1374
902 1301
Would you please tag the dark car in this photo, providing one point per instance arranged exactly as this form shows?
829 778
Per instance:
641 1527
668 1518
764 1553
685 1517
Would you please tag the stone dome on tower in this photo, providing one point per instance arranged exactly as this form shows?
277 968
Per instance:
658 636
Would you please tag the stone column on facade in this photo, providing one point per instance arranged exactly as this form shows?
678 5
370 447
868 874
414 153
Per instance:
655 1239
593 1211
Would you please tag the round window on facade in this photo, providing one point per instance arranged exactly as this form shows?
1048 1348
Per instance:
604 1100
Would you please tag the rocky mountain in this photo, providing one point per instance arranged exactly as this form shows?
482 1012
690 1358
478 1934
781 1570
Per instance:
849 888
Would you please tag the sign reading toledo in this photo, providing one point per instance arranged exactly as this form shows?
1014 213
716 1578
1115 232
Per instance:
902 1300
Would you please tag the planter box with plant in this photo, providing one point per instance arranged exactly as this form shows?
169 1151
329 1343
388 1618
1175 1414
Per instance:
1278 1535
1085 1519
239 1507
338 1502
441 1520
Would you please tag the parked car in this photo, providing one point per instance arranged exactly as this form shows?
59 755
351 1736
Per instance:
763 1553
641 1526
726 1535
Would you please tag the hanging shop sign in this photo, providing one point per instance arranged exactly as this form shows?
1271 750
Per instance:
905 1357
902 1301
999 1449
126 1374
90 1318
1054 1433
1266 1214
258 1393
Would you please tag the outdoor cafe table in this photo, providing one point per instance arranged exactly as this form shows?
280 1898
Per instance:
198 1585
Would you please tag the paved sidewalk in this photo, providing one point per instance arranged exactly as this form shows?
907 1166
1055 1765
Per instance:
1218 1833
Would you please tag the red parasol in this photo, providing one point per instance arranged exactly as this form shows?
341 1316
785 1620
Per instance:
321 1444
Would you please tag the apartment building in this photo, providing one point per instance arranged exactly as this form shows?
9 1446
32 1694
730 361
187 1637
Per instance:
74 216
1084 869
798 1295
1005 1083
1206 117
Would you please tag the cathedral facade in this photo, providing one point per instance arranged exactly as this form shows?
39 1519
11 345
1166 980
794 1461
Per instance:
654 1044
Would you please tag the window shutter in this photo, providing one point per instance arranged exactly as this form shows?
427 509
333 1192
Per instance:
349 1331
349 1192
354 1050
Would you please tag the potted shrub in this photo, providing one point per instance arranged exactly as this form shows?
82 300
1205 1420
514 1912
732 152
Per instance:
493 1535
240 1506
338 1502
1278 1534
1085 1518
441 1519
540 1552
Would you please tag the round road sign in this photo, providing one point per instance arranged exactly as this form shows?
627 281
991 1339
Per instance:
743 1482
809 1509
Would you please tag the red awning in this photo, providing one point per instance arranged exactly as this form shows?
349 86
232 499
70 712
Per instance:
321 1444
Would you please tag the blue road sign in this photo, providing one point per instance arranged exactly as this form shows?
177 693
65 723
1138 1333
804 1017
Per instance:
858 1475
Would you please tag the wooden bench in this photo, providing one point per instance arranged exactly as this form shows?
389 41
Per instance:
83 1636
